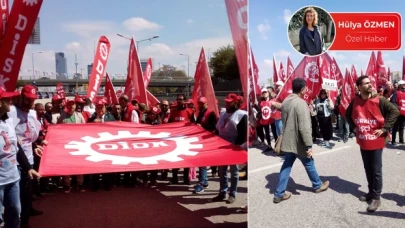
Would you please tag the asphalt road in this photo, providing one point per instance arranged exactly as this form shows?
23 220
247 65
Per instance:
337 207
161 206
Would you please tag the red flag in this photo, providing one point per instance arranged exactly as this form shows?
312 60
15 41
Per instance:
20 23
282 77
148 73
136 88
328 82
389 74
353 74
371 70
336 74
381 71
109 91
290 67
60 90
4 13
238 20
254 88
99 67
152 100
121 147
203 84
119 93
308 70
348 93
275 71
403 68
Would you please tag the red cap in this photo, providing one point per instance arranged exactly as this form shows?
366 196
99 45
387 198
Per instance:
233 97
70 102
5 94
203 100
155 110
100 102
57 98
29 91
78 99
190 101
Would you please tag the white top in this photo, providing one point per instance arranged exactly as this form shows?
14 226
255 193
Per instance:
8 153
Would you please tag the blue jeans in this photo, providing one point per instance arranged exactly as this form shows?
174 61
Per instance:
286 170
344 127
202 176
10 199
223 179
279 126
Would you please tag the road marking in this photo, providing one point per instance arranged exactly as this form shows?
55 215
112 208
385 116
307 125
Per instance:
281 163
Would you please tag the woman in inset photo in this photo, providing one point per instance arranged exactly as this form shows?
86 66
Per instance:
310 37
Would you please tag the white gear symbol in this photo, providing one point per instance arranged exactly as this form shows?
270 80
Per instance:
183 147
30 2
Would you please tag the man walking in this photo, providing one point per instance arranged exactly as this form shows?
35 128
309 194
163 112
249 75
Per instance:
297 125
371 116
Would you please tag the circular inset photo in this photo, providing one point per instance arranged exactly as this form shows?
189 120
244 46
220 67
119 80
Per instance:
311 31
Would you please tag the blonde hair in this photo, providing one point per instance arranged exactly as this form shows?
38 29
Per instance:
310 10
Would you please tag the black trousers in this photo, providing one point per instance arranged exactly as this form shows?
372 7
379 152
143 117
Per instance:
325 124
372 161
266 133
175 173
398 127
274 131
130 178
107 179
25 197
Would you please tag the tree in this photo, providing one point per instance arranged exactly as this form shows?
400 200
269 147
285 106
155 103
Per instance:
224 64
168 71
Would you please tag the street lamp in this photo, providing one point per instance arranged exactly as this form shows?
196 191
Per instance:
137 41
33 69
188 73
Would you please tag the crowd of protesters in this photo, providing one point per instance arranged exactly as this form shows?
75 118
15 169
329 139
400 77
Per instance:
25 124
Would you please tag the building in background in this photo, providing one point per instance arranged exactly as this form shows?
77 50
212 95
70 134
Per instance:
89 69
61 65
144 63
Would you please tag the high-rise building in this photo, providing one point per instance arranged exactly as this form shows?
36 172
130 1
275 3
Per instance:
144 63
89 69
61 65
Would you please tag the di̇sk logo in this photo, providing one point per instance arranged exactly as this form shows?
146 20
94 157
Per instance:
348 90
103 51
33 91
266 113
160 147
311 71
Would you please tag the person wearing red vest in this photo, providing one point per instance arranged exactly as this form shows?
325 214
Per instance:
371 116
265 120
398 99
128 114
181 113
207 119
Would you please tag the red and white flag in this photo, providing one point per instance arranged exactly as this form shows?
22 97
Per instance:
135 85
123 147
389 74
60 90
290 67
275 71
119 93
203 84
254 85
382 75
99 67
147 74
20 23
348 92
328 82
4 13
282 77
336 74
109 91
238 20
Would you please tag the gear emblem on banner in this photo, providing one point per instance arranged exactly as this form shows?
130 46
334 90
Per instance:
184 146
30 2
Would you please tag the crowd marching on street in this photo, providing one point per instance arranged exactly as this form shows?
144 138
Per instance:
24 125
374 117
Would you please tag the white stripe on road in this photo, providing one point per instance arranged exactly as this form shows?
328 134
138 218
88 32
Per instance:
281 163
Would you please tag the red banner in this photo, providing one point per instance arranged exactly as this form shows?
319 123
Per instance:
371 71
367 31
4 13
238 20
152 100
121 147
148 73
136 88
99 67
109 91
203 84
275 71
348 93
60 90
20 24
